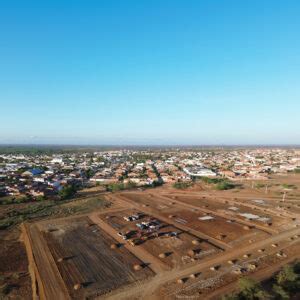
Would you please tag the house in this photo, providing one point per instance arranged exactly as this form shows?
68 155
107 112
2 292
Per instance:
33 172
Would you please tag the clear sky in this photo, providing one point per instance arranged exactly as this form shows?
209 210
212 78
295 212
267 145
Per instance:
150 72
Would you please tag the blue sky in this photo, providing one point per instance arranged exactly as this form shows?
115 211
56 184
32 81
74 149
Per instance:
150 72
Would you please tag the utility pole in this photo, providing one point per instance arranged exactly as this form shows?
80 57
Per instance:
283 196
266 190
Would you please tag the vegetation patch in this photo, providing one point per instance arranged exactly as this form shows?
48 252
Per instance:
212 180
50 208
297 171
115 187
226 185
15 200
285 285
182 185
260 185
289 186
220 183
67 192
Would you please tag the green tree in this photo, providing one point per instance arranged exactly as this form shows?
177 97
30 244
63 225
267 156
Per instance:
297 267
119 186
251 290
231 297
115 187
225 186
67 192
89 173
182 185
288 279
22 199
40 198
280 293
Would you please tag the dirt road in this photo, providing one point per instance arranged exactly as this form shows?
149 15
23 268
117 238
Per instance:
260 275
51 285
217 260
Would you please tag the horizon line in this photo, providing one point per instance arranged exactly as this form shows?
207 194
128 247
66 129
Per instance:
145 145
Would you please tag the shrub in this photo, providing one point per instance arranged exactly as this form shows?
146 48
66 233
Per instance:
4 224
23 199
251 289
115 187
67 192
4 290
182 185
287 285
280 293
260 185
225 186
288 279
212 180
288 186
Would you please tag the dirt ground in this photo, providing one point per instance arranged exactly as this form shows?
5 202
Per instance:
15 282
82 246
14 277
219 228
212 284
91 263
219 205
175 248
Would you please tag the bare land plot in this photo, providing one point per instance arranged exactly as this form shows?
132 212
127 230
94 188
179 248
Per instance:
223 229
223 206
217 227
176 249
83 256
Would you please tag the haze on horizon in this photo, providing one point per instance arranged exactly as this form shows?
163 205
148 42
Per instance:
150 72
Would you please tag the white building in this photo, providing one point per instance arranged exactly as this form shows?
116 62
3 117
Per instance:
199 172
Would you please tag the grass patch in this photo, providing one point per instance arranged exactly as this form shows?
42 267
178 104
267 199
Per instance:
182 185
221 184
289 186
115 187
260 185
49 209
213 180
15 200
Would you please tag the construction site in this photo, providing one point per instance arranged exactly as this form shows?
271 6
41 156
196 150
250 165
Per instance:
162 244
